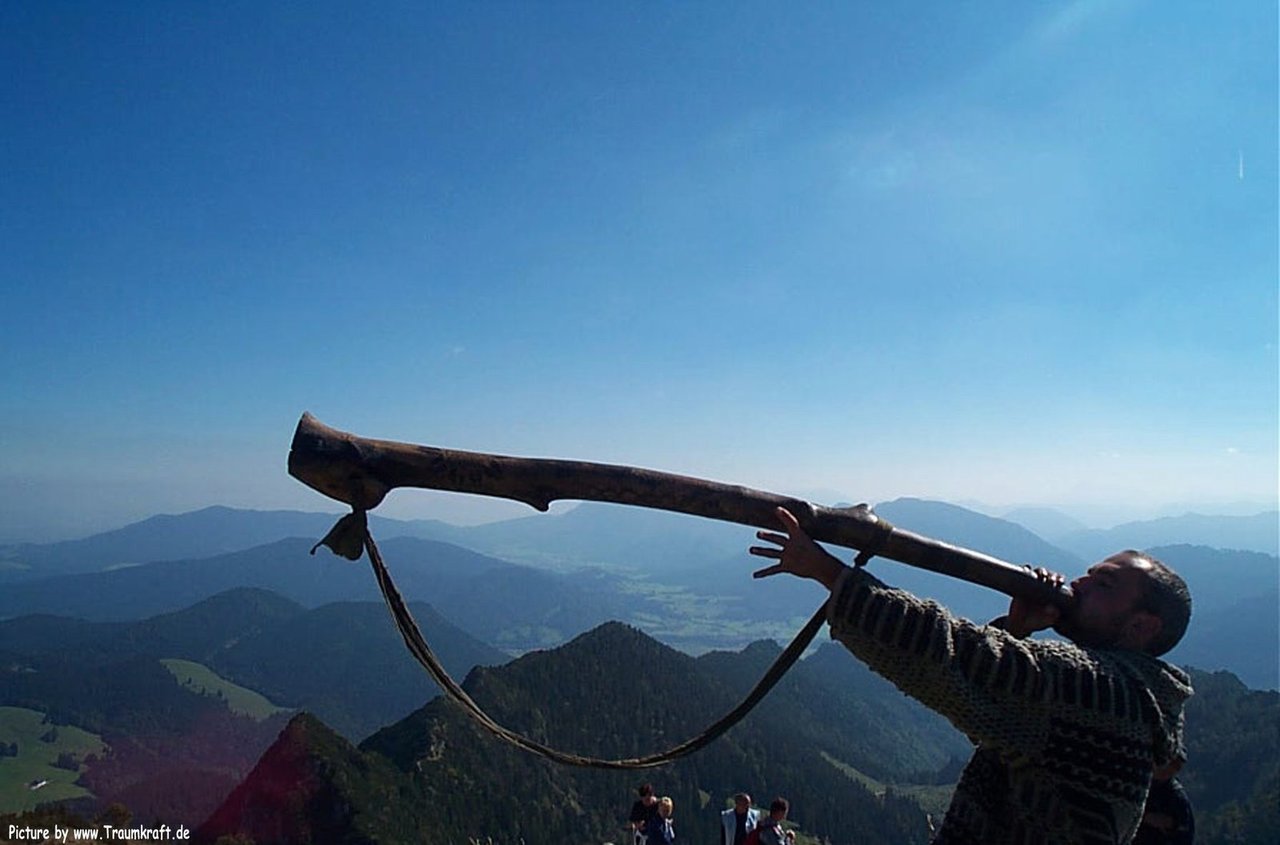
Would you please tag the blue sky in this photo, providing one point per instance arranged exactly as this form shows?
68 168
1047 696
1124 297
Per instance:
997 253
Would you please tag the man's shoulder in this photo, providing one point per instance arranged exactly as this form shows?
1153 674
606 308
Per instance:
1167 681
1071 655
1147 665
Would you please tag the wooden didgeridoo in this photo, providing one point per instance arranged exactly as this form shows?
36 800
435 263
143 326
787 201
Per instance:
360 472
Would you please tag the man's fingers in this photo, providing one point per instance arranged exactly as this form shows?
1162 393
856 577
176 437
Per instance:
788 520
1049 576
790 525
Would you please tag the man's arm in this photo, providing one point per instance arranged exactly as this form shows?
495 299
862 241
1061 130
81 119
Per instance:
982 679
799 555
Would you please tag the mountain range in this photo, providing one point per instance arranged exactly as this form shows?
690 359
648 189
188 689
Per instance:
1235 621
175 750
92 628
844 747
510 606
633 539
1259 533
682 579
208 532
612 692
343 661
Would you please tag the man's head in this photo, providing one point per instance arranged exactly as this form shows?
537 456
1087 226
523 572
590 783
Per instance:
741 803
665 807
1130 600
778 809
646 793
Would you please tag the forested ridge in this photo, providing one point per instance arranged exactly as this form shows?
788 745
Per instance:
616 692
611 692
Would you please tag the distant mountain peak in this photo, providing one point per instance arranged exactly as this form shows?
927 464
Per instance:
241 596
955 524
611 633
915 503
763 647
613 642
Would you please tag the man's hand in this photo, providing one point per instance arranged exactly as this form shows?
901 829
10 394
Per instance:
799 554
1026 618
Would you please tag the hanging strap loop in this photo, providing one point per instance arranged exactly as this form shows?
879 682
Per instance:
352 532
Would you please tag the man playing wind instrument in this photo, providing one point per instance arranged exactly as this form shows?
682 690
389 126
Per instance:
1068 734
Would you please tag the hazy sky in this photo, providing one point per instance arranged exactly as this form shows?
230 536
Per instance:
1020 252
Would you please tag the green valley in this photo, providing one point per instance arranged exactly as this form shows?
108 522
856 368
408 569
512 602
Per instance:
43 753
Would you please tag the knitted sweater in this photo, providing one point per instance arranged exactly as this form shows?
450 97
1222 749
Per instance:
1067 736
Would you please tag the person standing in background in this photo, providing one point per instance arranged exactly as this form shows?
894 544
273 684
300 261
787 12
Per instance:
644 809
736 824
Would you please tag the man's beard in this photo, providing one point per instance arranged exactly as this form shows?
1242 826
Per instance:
1086 637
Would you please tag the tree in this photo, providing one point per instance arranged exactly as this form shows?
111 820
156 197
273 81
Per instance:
117 815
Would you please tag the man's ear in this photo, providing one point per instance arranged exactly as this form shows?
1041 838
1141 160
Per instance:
1143 626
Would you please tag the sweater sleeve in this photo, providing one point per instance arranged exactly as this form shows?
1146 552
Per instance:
994 687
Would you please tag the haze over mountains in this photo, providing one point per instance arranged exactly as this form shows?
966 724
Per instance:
537 581
614 535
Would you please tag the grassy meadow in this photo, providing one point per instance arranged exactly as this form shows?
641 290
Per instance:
201 679
39 746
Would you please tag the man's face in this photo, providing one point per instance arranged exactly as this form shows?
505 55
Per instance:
1106 599
740 806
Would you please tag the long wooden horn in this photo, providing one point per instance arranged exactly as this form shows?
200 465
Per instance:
360 472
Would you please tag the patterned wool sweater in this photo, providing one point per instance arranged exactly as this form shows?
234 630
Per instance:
1067 736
